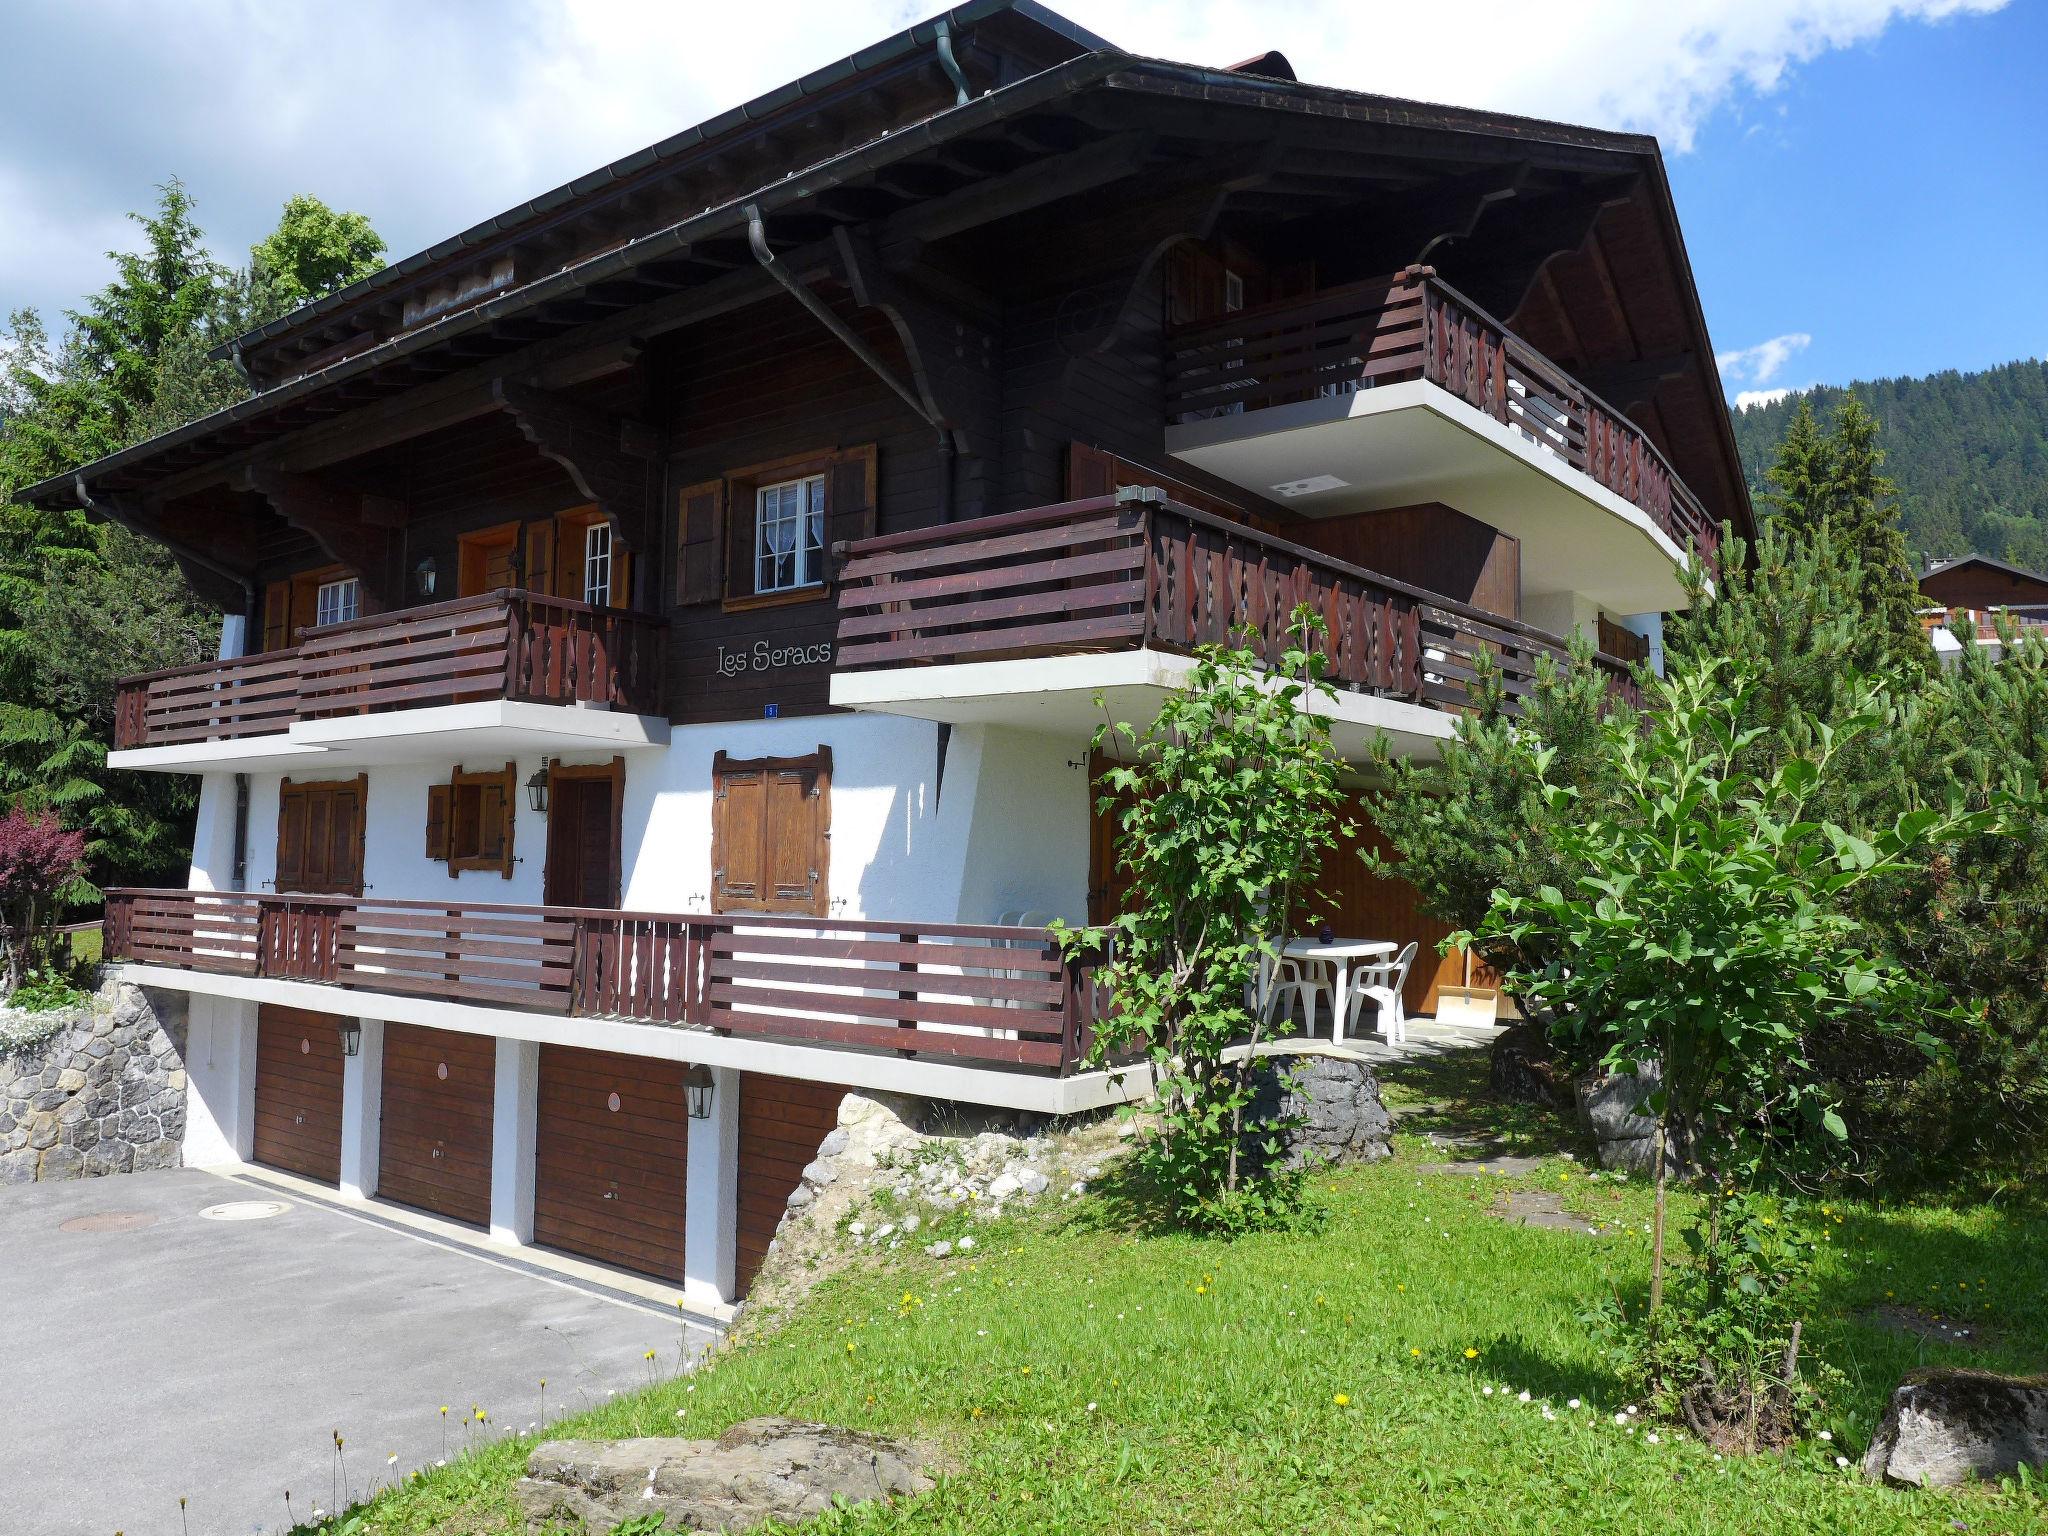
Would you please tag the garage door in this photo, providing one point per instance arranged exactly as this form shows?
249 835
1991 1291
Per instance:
434 1148
298 1092
610 1137
782 1121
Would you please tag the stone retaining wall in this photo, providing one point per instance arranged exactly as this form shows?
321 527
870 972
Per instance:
104 1094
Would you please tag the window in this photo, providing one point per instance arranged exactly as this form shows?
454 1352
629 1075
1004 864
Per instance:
338 601
597 565
320 837
469 820
771 828
789 534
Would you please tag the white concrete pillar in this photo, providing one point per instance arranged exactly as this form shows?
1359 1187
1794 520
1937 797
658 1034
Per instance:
711 1215
234 636
220 1081
513 1111
1651 627
362 1112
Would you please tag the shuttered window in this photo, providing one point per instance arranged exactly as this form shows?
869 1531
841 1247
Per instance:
765 533
320 837
771 824
470 820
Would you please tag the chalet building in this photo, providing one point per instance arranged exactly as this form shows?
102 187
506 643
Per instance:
1973 590
656 611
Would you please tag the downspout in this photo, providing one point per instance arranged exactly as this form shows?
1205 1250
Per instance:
951 65
757 237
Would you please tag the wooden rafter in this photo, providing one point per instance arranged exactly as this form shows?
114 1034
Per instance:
610 459
363 533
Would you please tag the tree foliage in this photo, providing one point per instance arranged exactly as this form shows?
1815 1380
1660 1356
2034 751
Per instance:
1227 803
314 251
39 862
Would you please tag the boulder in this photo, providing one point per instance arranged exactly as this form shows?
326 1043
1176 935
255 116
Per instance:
760 1470
1525 1068
1608 1110
1337 1101
1946 1427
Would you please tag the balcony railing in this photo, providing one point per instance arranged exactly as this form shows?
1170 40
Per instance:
989 995
1117 573
519 646
1415 326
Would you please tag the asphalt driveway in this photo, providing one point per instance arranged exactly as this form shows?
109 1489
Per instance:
153 1353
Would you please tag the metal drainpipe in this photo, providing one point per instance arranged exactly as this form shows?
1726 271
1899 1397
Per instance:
757 237
951 65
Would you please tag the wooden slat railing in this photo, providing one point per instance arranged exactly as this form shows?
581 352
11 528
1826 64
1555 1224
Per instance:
1135 569
508 644
1411 326
986 994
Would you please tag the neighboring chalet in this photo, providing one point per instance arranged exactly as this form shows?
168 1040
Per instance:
1971 590
661 612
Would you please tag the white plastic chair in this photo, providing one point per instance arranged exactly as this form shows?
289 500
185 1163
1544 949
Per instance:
1381 985
1303 984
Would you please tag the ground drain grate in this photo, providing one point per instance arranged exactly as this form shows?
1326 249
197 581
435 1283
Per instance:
246 1210
109 1221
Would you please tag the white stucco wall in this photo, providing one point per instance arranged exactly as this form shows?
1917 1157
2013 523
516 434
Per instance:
1562 612
1004 829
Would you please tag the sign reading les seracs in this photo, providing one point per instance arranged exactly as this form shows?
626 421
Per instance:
763 657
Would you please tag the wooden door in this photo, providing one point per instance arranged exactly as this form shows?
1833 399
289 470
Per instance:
583 836
610 1147
298 1092
488 561
1359 905
434 1147
782 1120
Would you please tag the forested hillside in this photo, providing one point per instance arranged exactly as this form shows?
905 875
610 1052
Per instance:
1969 452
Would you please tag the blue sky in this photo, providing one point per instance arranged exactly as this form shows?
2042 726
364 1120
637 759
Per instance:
1868 175
1890 202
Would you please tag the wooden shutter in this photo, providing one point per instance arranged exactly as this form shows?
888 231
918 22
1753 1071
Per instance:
291 837
437 821
346 829
1090 472
740 510
849 497
277 606
738 814
770 833
540 568
305 606
569 559
700 542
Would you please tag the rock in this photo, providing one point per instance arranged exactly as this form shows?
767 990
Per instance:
1608 1107
18 1167
1033 1181
71 1080
1525 1068
836 1141
879 1127
759 1470
800 1197
43 1130
105 1157
1003 1186
1945 1427
819 1173
939 1250
61 1163
1336 1101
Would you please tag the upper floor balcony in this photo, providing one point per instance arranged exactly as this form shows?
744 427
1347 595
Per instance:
1027 618
508 670
1401 390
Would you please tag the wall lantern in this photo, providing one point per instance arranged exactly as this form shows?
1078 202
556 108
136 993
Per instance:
351 1031
698 1087
537 788
423 576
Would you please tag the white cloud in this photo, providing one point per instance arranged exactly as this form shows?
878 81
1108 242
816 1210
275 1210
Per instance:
1746 398
431 117
1760 364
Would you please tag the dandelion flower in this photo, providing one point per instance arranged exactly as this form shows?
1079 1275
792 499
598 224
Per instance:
1471 1354
1827 1434
1651 1438
391 1460
1416 1353
1522 1396
1841 1461
1486 1391
1342 1399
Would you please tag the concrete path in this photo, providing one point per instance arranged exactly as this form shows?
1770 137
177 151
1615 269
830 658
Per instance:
152 1353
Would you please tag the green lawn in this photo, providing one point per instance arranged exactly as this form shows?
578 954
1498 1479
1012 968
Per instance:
1094 1380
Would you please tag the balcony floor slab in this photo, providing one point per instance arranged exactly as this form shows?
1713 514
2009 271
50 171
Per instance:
1058 695
1412 442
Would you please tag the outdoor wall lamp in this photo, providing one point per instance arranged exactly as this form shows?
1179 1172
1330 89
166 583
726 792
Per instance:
424 574
537 788
351 1031
698 1087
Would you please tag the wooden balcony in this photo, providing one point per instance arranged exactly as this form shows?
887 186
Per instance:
1414 326
1138 571
972 995
512 646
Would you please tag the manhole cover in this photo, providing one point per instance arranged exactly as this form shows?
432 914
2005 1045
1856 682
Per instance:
109 1221
246 1210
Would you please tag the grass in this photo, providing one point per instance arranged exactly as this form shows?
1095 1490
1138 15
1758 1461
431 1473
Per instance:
1092 1379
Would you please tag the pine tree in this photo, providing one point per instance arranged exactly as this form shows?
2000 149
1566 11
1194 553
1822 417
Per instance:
1801 474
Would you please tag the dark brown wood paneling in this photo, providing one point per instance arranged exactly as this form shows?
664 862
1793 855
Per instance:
1431 546
782 1120
610 1147
434 1147
298 1091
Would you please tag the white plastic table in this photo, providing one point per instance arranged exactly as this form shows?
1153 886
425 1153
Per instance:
1342 955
